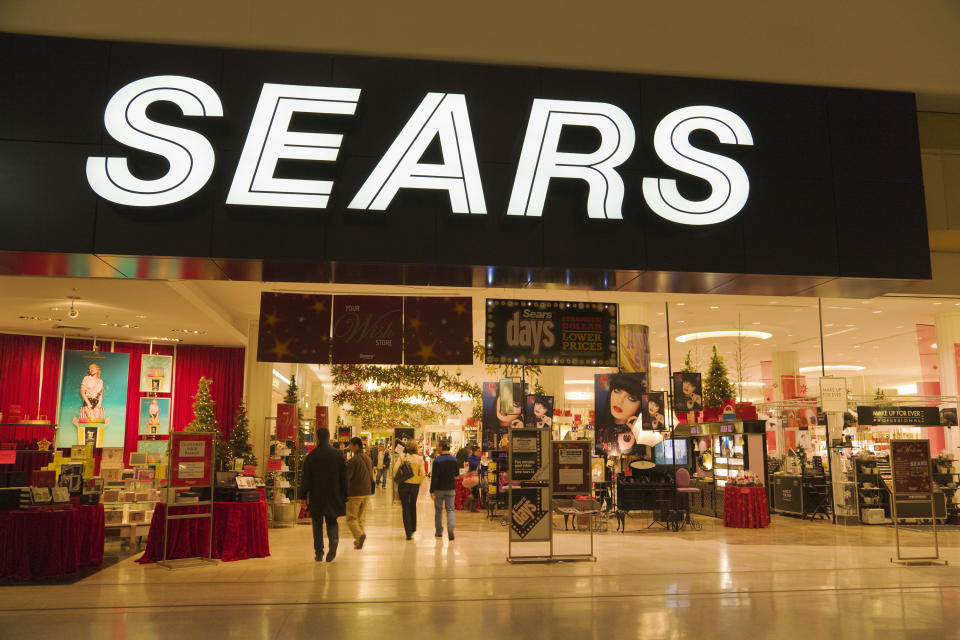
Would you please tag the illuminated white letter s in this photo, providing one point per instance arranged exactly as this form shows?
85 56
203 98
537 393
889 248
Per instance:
189 154
728 180
540 161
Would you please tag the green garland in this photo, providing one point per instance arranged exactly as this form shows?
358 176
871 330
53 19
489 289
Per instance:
388 405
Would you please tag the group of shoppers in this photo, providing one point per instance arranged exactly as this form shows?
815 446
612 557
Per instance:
334 486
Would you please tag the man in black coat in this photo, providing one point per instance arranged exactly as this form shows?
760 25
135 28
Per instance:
325 489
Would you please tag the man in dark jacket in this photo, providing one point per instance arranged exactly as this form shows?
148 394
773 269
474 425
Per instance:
325 489
443 488
359 488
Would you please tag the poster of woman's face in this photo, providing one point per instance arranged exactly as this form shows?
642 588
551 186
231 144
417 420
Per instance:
539 414
618 406
93 401
654 417
687 392
154 416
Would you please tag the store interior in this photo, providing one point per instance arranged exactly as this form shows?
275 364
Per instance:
774 348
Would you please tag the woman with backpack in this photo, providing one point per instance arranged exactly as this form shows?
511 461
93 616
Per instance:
407 475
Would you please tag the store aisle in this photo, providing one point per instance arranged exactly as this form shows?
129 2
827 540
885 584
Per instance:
795 579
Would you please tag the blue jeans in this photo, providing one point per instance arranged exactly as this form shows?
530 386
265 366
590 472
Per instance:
444 499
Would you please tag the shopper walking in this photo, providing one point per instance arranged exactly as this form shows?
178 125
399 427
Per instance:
462 454
383 468
359 488
374 461
443 489
408 474
325 490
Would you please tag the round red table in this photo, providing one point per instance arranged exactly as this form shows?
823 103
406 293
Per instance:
745 507
239 532
50 543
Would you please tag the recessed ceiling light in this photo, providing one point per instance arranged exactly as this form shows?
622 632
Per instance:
681 304
714 307
682 321
706 335
877 311
658 365
56 308
141 317
935 303
933 346
191 331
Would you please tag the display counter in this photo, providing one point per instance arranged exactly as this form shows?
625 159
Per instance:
788 493
50 543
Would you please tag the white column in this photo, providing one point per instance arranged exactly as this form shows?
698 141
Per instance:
948 336
785 363
258 393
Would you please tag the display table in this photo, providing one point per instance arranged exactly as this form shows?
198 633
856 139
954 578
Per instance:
50 544
745 507
239 532
462 495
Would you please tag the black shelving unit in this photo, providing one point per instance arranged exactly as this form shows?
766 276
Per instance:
874 496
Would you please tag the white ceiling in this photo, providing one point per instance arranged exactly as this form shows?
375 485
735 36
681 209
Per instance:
878 334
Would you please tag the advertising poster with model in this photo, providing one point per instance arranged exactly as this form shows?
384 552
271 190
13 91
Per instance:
93 399
154 416
618 399
687 392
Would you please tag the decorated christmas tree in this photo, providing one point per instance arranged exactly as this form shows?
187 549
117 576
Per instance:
205 420
240 436
292 390
716 387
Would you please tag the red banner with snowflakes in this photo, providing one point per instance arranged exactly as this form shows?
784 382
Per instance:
294 327
437 330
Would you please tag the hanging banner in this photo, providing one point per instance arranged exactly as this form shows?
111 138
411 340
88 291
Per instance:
910 463
93 399
529 512
156 373
294 327
687 392
190 463
618 405
539 413
833 395
367 330
572 467
437 331
323 417
898 416
154 416
495 422
286 421
551 333
634 348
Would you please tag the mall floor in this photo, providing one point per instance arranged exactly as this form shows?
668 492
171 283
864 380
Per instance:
795 579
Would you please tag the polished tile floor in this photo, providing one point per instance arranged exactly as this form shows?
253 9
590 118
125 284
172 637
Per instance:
793 580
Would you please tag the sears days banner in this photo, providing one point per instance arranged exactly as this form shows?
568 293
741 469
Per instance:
542 332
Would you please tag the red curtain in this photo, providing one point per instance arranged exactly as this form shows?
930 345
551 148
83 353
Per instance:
51 378
224 366
135 350
20 375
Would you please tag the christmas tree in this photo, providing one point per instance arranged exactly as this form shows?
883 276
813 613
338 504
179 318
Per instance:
292 390
717 388
205 420
240 436
688 366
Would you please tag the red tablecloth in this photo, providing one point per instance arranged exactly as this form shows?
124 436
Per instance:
462 494
49 544
745 507
239 532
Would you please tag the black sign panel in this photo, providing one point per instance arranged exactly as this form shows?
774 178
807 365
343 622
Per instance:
899 416
808 170
554 333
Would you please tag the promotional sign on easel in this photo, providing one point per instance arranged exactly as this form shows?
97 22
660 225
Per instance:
912 483
529 503
191 458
